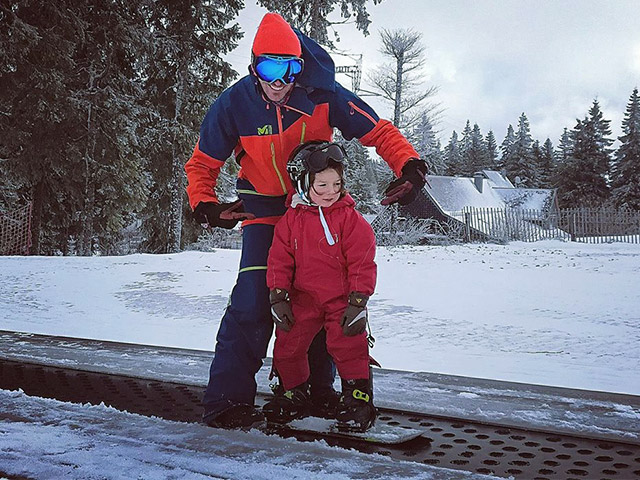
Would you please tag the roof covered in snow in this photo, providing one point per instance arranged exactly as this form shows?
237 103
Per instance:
491 190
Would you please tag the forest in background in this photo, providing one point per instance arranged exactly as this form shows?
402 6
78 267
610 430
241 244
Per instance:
101 106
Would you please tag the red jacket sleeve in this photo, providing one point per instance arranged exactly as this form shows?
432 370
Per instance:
202 176
359 248
355 118
281 263
390 144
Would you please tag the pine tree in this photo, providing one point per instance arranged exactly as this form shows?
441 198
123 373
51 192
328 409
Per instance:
312 17
506 147
474 156
428 146
38 118
71 92
360 175
626 174
400 81
492 151
185 74
582 178
453 156
106 92
545 164
520 163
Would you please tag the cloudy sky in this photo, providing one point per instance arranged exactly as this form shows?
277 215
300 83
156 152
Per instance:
493 60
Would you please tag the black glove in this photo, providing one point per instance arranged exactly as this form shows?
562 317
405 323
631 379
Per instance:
405 189
281 309
225 215
354 318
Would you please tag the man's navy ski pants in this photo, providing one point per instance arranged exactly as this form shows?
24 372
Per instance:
246 326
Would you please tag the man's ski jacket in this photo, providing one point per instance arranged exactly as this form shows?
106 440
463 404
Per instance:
302 260
261 135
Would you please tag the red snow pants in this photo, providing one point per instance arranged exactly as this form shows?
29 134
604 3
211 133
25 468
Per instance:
350 354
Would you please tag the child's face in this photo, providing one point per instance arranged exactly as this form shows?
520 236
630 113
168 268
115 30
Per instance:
326 188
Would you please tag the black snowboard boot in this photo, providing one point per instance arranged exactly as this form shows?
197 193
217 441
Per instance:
288 405
239 416
356 411
324 402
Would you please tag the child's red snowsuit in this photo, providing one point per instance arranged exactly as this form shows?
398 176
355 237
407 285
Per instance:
319 278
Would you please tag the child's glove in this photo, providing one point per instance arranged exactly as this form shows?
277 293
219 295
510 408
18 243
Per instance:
281 309
354 318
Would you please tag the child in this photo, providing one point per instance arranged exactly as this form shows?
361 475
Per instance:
320 273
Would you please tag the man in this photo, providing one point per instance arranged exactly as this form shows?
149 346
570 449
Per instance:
289 97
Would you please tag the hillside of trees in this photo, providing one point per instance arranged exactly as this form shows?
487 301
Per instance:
101 106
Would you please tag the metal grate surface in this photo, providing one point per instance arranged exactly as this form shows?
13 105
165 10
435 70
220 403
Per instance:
447 443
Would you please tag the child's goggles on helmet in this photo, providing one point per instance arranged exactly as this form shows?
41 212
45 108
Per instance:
319 157
271 68
313 157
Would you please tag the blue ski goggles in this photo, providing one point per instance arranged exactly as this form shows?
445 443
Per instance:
271 68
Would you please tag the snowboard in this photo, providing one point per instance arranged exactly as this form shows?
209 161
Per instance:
380 433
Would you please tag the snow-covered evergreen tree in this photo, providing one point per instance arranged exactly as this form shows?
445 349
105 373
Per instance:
474 155
506 147
360 176
453 156
520 163
72 96
428 146
626 173
312 18
185 72
582 178
492 151
545 163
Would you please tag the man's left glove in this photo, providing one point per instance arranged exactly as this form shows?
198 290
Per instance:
405 189
354 318
224 215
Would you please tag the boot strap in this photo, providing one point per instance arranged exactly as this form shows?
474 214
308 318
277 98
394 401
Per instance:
360 395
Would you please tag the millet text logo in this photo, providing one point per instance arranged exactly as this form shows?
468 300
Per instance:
266 130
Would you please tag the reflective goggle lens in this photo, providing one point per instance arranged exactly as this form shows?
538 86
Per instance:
272 68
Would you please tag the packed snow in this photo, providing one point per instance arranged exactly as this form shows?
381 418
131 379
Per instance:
548 313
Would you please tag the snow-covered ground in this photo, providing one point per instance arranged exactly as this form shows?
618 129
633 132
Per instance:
547 313
550 313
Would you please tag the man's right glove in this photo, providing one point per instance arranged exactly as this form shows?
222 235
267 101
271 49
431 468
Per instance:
354 318
225 215
281 309
404 190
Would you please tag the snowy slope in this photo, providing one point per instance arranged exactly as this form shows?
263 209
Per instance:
547 313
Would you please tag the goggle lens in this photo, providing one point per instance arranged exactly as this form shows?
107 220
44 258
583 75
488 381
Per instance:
319 160
272 68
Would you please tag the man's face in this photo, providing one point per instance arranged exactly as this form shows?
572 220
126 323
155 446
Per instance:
276 91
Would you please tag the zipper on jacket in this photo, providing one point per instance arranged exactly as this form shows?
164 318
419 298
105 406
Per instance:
304 129
361 112
275 166
273 149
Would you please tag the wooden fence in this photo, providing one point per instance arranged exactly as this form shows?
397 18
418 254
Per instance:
588 225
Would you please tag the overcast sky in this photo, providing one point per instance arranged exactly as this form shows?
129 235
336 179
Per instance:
493 60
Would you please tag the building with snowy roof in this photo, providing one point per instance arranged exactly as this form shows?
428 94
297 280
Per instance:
482 204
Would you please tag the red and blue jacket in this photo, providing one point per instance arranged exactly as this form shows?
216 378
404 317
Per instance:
261 135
